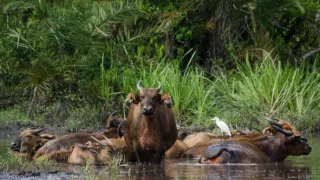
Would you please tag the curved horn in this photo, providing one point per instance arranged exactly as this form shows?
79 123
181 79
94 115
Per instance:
139 85
110 117
36 131
113 113
101 143
284 131
273 123
159 87
119 131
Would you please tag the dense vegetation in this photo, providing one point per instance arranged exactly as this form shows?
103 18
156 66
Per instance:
71 62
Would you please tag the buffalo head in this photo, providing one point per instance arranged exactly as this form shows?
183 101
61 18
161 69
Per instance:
149 99
115 123
294 143
27 140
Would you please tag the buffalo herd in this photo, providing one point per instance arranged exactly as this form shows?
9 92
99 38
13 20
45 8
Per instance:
150 135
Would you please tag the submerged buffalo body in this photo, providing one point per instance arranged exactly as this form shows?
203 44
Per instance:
285 141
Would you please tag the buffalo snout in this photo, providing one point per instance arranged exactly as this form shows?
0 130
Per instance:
15 146
147 110
307 150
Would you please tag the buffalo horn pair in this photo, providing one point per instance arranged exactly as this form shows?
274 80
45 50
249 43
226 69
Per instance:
139 86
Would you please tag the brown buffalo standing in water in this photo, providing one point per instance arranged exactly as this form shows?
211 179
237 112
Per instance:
285 141
150 127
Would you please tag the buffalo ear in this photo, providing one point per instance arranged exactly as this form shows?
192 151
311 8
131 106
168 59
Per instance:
132 98
166 99
267 130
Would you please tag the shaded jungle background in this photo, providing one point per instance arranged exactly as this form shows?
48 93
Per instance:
68 64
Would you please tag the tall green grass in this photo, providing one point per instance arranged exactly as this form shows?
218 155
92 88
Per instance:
190 90
84 118
16 163
13 115
273 89
256 90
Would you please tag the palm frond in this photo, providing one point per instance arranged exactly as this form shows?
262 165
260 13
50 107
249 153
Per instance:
18 5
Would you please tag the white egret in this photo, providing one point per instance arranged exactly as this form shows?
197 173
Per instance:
222 125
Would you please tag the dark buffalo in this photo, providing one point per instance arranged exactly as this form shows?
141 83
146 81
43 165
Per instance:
200 141
284 141
150 127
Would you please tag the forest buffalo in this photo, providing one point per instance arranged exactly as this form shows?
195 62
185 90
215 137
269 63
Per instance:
191 145
276 147
150 127
30 140
59 148
91 153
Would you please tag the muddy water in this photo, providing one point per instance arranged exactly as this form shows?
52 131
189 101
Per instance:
302 167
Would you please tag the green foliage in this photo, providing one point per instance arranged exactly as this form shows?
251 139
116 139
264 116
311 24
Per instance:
85 117
190 89
19 163
13 115
273 89
89 172
89 54
114 165
13 162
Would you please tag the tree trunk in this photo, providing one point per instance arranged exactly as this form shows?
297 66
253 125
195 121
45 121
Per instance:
169 44
32 104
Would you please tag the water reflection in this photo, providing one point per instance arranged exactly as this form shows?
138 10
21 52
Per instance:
177 170
302 167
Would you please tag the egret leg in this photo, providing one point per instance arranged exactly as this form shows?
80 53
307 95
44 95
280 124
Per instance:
221 136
